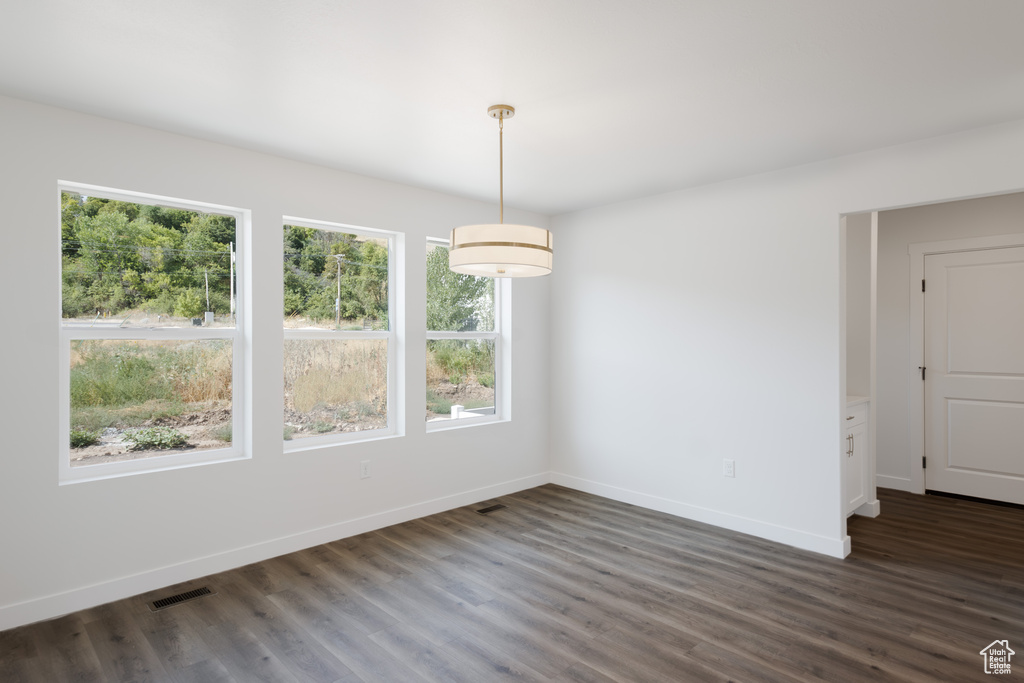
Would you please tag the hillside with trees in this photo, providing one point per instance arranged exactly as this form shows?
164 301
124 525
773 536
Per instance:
121 259
321 266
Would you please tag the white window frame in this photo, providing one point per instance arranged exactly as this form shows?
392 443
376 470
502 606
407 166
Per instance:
392 335
502 355
240 365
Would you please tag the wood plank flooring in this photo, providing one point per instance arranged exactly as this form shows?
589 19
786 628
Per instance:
567 587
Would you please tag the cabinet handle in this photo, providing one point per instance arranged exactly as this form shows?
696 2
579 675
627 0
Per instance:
850 418
853 445
848 451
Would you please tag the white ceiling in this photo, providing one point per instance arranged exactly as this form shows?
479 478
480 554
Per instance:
614 99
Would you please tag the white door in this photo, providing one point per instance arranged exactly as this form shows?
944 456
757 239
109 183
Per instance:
974 383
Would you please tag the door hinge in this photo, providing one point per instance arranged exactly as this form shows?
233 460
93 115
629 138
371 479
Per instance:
922 285
924 462
922 369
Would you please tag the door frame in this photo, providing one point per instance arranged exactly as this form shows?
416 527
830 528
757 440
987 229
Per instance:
918 251
871 507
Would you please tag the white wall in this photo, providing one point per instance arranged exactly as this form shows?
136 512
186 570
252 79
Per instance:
67 547
897 375
705 324
858 304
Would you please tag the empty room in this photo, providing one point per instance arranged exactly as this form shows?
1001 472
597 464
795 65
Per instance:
316 364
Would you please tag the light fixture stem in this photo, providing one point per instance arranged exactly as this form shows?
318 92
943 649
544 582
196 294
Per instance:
501 168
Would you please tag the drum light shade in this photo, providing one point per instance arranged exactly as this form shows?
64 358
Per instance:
500 250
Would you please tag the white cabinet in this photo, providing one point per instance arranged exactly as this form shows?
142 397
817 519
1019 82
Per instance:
858 460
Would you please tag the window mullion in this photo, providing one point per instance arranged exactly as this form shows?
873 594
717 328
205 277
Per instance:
166 333
462 335
304 333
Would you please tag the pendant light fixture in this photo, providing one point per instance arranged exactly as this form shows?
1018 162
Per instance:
500 249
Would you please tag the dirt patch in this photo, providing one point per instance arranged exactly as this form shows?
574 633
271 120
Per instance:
204 429
206 418
331 420
467 391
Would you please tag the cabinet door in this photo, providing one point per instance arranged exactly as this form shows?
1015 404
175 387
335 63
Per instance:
856 467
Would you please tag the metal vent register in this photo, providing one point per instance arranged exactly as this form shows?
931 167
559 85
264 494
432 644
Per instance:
164 603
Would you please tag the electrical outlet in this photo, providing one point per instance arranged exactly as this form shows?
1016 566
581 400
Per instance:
728 468
364 469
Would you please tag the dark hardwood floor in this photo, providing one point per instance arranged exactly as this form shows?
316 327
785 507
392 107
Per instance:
568 587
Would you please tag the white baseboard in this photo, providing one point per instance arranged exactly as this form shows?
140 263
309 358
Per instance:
834 547
59 604
899 483
872 508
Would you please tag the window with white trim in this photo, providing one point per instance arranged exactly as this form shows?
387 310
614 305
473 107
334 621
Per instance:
151 338
339 333
464 344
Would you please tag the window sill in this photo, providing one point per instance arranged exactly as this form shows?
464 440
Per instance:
160 463
317 442
463 423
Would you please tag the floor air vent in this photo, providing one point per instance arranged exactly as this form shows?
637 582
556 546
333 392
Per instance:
492 508
164 603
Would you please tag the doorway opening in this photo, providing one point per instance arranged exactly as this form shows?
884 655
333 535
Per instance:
886 349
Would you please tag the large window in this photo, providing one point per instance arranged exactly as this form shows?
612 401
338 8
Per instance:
151 364
339 336
464 344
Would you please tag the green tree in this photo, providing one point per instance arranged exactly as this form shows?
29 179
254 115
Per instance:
296 237
70 211
108 247
373 280
453 298
163 248
314 258
202 250
222 228
190 304
172 219
95 206
205 256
